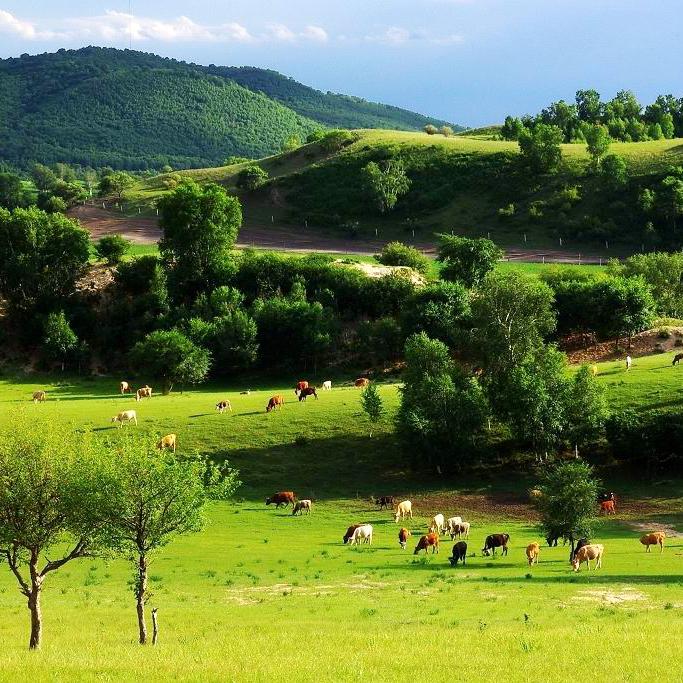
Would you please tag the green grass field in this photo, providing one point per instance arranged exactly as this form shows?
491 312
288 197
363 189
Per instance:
259 595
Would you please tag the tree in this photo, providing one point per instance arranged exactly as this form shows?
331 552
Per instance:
614 172
112 248
156 497
43 178
588 105
41 257
587 409
252 177
597 143
372 405
11 191
170 357
399 254
512 128
540 147
386 182
200 226
51 204
431 129
52 497
670 199
466 260
59 339
567 500
115 183
446 131
90 179
291 143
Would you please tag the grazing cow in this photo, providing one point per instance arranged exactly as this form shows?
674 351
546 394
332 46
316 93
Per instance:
459 530
677 359
430 540
586 554
126 416
607 507
245 393
579 544
403 535
302 506
532 552
362 534
438 525
327 385
305 393
39 396
361 383
349 532
554 536
282 498
384 502
300 386
143 392
459 553
168 441
125 388
224 405
594 370
655 538
494 541
453 523
402 510
275 402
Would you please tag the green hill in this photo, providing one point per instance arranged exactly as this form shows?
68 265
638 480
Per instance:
98 106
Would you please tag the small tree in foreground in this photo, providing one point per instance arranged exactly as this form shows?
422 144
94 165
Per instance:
372 405
157 497
386 182
112 248
567 500
52 500
59 340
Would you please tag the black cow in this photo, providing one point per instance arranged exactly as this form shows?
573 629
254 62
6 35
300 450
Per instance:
494 541
384 502
553 537
459 553
677 359
308 391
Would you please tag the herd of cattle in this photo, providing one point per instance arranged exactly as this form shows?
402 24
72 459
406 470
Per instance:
456 527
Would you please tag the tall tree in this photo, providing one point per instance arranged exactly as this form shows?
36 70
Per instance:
387 182
372 405
588 105
465 260
540 147
11 191
115 183
597 142
59 339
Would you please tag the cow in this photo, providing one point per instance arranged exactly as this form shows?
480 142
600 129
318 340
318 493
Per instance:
305 393
275 402
125 388
223 405
302 506
349 532
438 525
403 535
494 541
554 536
430 540
607 507
39 396
655 538
579 544
300 386
587 553
327 385
362 534
361 383
402 510
459 530
384 502
143 392
453 523
282 498
594 370
126 416
168 441
459 553
677 359
532 552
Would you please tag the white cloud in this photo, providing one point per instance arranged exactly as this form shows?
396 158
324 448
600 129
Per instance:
24 29
396 35
315 33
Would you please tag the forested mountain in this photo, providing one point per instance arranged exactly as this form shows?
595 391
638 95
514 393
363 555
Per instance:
127 109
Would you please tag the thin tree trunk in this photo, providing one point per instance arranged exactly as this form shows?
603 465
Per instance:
155 626
140 595
34 604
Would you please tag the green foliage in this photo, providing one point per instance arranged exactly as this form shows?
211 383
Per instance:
112 248
372 405
399 254
11 191
614 171
51 204
252 177
467 260
540 148
512 128
597 142
115 184
624 306
587 410
386 182
431 129
59 339
291 142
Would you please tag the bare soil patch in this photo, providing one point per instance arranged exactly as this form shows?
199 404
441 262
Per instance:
610 597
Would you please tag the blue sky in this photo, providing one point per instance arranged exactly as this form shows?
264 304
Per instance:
468 61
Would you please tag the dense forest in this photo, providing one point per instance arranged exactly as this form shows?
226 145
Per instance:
126 109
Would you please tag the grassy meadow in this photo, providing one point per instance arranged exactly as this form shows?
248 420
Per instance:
258 594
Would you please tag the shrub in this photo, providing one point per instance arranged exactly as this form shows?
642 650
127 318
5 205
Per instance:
252 177
399 254
112 248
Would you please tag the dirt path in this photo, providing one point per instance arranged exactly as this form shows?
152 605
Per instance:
146 231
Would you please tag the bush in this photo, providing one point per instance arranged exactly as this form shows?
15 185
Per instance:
399 254
112 248
251 178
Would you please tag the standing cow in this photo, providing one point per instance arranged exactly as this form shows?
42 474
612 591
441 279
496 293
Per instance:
282 498
305 393
275 402
459 553
494 541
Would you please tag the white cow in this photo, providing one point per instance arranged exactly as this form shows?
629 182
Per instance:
438 525
404 509
362 534
327 385
302 506
126 416
587 553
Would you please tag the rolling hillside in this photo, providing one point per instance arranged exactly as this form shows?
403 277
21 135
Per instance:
127 109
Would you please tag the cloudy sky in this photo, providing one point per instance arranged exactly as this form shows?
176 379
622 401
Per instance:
468 61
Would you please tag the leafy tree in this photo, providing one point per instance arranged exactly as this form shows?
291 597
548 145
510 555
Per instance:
466 260
291 143
614 171
540 147
399 254
646 200
372 405
512 128
667 125
90 179
569 493
41 257
200 226
446 131
588 105
431 129
387 182
587 410
43 178
51 501
234 159
381 340
670 199
50 203
156 498
115 184
172 358
334 140
562 116
11 191
597 142
315 136
252 177
112 248
59 339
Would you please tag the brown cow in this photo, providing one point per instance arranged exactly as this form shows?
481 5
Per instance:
532 552
275 402
168 441
349 532
607 507
655 538
427 541
282 498
143 392
361 383
588 553
308 391
494 541
300 386
39 396
403 535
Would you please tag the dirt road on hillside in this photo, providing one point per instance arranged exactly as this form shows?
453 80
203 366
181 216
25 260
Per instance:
146 231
